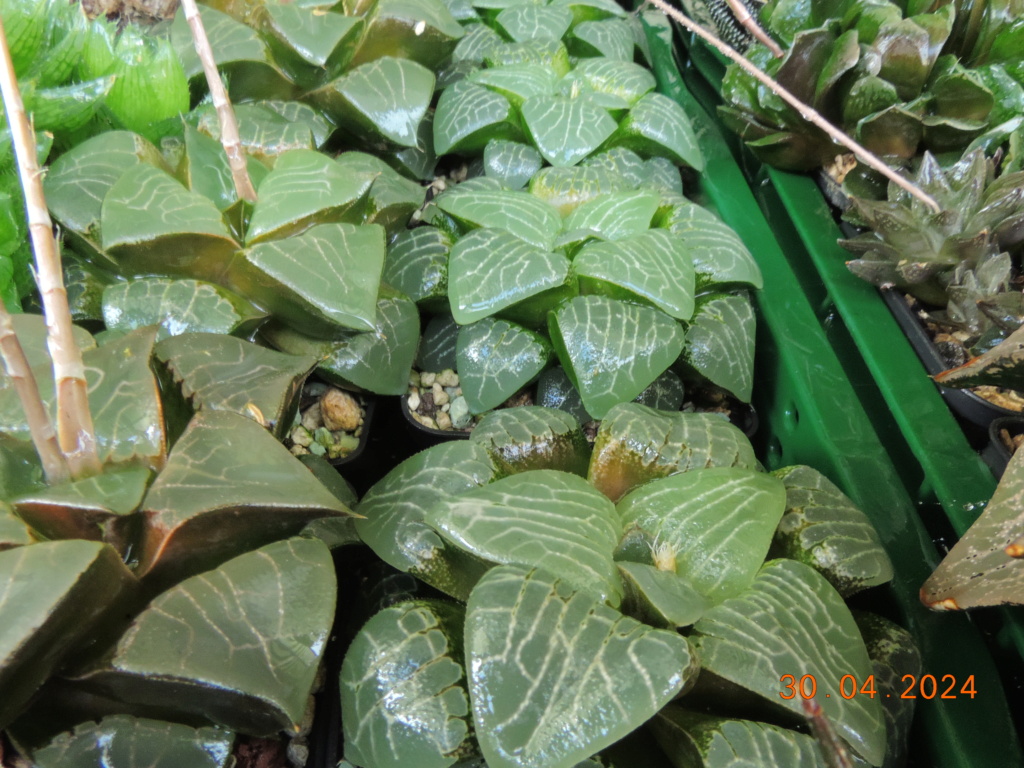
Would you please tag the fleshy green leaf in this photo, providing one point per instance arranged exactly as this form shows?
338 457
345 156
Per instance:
305 188
183 235
567 188
712 526
176 307
56 594
403 688
616 216
31 332
384 100
317 281
477 44
417 265
268 129
229 474
792 619
636 444
538 519
566 130
437 347
622 79
530 437
521 23
517 82
13 532
497 358
223 373
421 30
613 350
658 126
309 43
510 162
825 530
556 696
520 213
555 390
660 598
653 266
122 741
209 647
720 343
551 53
392 198
392 523
205 170
491 270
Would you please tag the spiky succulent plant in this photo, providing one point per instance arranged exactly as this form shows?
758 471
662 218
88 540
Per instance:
926 254
897 84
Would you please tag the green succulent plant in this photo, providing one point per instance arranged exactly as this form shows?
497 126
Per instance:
954 252
574 573
898 84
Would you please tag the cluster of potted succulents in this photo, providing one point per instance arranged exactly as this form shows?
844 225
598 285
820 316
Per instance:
167 569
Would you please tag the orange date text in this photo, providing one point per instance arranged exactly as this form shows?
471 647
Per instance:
911 687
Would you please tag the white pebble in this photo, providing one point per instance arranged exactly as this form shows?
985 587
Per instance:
414 401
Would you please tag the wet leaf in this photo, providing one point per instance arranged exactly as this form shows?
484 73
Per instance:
56 594
554 698
659 598
383 100
539 519
96 508
653 267
720 343
176 307
517 82
510 162
491 271
658 126
530 437
403 688
319 282
417 265
496 358
306 188
705 741
122 741
792 619
224 373
636 444
228 474
421 30
393 509
377 361
520 213
565 130
123 397
185 235
210 649
392 198
822 528
613 350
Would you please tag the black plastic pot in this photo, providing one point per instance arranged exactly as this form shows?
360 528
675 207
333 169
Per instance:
997 453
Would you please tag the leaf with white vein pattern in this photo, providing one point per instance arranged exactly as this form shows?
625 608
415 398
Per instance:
555 675
469 115
384 99
792 621
616 216
592 10
720 342
636 444
121 741
716 525
624 79
520 213
321 281
566 188
621 162
392 198
514 164
517 82
825 530
653 267
658 126
713 742
528 22
495 359
238 645
611 38
566 130
423 31
551 53
531 437
403 688
476 44
542 518
417 265
313 46
490 270
306 188
266 129
613 350
719 256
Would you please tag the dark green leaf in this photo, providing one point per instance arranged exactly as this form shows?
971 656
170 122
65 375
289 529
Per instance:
437 348
31 332
720 343
556 390
565 130
530 437
1001 366
266 129
658 126
392 199
421 30
311 44
205 170
520 213
660 598
417 265
497 358
469 115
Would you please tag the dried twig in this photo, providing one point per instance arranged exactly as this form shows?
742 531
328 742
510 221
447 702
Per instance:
225 113
739 10
806 112
24 382
74 421
832 748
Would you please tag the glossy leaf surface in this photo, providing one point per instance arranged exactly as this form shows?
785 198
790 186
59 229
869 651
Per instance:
658 126
720 343
495 359
531 437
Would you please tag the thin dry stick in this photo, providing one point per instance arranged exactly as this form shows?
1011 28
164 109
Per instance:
75 432
806 112
832 748
739 10
24 381
225 114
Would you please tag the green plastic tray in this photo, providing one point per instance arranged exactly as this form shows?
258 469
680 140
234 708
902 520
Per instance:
811 413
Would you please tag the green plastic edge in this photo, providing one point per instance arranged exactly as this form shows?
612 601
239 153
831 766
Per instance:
812 415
